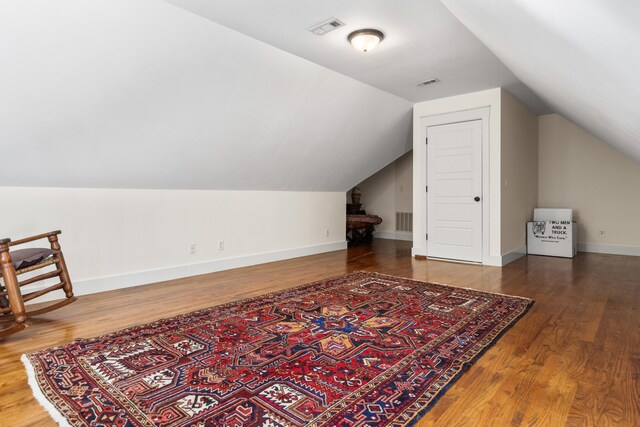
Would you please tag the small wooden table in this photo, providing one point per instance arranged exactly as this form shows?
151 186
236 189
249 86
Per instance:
360 228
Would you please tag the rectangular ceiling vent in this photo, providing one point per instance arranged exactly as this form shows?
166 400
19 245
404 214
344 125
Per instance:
427 82
326 26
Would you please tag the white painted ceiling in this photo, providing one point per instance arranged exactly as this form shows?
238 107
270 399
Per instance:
141 94
423 40
239 95
581 56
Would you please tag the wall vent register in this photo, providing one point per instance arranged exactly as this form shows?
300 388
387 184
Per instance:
404 221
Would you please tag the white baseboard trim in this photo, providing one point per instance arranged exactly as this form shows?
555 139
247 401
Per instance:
609 249
394 235
418 251
102 284
492 260
514 255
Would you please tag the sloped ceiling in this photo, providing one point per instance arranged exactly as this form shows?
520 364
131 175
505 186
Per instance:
423 40
141 94
580 56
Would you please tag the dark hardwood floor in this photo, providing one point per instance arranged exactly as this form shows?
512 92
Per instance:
574 359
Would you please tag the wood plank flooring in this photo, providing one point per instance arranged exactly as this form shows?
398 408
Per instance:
573 360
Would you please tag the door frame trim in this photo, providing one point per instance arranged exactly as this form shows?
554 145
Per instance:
482 114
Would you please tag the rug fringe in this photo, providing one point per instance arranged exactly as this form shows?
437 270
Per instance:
39 396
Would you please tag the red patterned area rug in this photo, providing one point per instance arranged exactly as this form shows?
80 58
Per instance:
363 349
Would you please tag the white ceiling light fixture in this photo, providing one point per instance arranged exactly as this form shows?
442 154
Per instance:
366 39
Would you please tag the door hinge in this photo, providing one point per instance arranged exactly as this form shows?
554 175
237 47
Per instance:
426 188
427 236
426 140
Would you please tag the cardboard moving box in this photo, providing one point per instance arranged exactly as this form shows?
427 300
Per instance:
552 233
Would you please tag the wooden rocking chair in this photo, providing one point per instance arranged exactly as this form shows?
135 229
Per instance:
16 262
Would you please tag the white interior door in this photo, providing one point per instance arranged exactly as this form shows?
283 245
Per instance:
454 191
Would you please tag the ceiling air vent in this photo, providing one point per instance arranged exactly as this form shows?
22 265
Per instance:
427 82
326 26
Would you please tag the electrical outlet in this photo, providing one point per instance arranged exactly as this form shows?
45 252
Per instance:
326 232
603 233
221 245
192 249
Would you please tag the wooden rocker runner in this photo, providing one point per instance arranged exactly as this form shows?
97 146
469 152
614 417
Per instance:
20 261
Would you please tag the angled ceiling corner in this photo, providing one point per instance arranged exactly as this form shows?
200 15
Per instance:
580 57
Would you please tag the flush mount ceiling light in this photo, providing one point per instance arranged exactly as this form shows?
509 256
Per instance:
366 39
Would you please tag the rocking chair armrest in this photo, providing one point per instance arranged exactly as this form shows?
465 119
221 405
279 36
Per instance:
31 239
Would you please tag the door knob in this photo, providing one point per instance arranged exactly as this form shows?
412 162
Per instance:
477 199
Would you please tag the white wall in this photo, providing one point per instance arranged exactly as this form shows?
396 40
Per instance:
600 184
117 238
388 191
404 183
379 197
519 174
489 98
